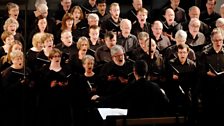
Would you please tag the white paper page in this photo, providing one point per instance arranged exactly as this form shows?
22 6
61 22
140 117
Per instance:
104 112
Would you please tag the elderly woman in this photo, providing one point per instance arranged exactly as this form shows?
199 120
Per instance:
11 25
16 87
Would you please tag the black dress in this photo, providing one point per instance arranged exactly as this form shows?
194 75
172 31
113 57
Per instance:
54 99
17 97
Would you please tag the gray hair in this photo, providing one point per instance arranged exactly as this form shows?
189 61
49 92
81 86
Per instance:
38 2
181 34
115 49
93 16
87 57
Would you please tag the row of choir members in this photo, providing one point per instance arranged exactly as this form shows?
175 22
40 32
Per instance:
168 23
182 66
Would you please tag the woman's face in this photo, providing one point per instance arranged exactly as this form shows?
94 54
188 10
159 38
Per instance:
14 12
56 58
17 47
18 62
69 23
42 24
76 14
9 40
88 65
12 28
49 43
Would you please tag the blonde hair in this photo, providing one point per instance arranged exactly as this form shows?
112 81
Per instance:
15 54
5 34
10 21
47 35
143 35
114 5
82 39
143 10
11 5
38 37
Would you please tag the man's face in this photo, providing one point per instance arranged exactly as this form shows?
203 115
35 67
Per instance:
194 13
66 4
157 29
94 34
115 12
126 29
102 7
175 3
182 54
110 42
118 58
194 28
210 5
142 17
66 38
137 4
169 16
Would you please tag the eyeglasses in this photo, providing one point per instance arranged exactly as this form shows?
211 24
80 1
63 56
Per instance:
217 40
118 55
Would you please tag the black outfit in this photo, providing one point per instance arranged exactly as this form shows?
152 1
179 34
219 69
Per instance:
132 15
209 19
130 43
136 28
110 25
180 91
54 107
85 110
87 8
111 87
144 99
171 29
211 88
17 95
171 52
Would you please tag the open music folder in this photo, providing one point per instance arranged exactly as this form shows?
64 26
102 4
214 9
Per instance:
215 71
104 112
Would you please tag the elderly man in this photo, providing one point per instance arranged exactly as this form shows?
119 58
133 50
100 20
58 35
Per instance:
126 39
115 75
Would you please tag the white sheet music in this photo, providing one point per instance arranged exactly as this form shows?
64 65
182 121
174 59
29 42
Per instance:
104 112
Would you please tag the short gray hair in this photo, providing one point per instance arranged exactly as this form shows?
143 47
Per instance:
115 49
181 34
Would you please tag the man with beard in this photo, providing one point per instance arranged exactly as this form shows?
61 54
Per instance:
112 23
115 76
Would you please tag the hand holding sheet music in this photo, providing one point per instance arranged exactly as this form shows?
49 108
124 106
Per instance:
215 71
